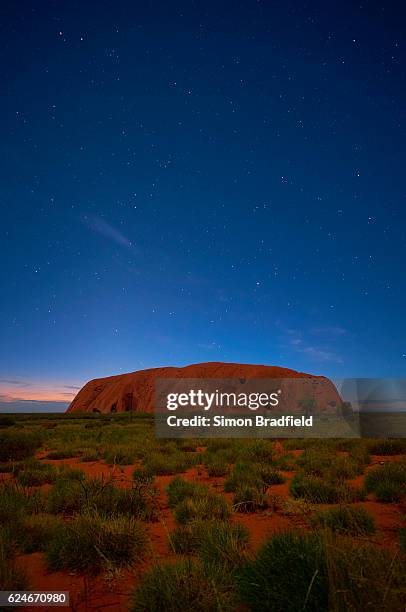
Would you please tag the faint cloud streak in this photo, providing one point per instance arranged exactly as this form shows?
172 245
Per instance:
96 224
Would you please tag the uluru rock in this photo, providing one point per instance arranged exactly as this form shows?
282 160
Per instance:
135 391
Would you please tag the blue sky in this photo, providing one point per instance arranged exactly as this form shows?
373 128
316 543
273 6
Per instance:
193 182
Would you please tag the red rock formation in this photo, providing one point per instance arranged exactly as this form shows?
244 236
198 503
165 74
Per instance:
135 391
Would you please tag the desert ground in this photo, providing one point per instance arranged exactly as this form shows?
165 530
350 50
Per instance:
96 505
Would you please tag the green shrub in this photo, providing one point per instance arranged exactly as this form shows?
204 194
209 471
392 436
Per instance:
18 445
344 519
388 482
179 587
320 491
92 542
288 574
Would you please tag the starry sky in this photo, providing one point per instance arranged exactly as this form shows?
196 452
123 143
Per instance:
200 181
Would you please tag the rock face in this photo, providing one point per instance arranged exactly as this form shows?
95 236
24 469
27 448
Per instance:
135 391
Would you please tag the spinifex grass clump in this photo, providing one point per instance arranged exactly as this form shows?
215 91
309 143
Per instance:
216 463
388 482
31 473
254 475
249 499
364 577
73 496
249 482
345 519
12 578
17 445
179 587
142 477
222 547
208 506
180 489
92 543
257 451
318 490
17 509
325 463
196 502
174 462
185 539
37 530
16 504
288 574
217 543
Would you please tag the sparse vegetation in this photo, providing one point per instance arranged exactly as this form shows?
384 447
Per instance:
95 524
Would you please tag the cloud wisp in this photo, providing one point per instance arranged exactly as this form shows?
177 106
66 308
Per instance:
100 226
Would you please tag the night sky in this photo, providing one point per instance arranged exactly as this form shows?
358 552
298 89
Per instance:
200 181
